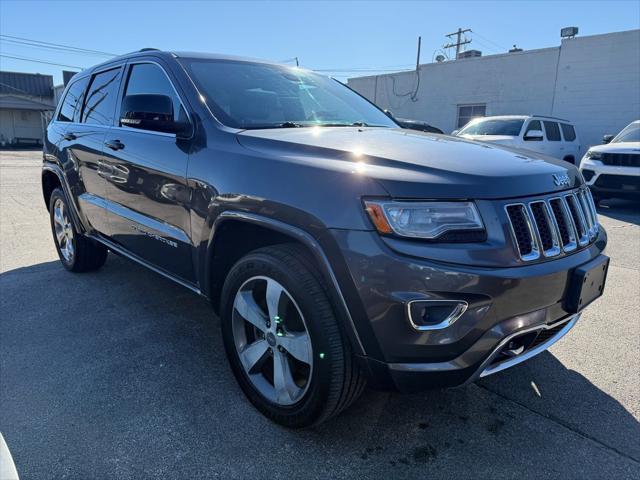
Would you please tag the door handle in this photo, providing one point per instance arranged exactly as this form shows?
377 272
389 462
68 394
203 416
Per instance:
69 136
114 144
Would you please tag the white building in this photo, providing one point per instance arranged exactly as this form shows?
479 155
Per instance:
593 81
26 103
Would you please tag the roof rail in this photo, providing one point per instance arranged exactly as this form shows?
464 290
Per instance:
149 49
554 118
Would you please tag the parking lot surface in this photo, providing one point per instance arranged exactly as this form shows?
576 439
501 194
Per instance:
121 374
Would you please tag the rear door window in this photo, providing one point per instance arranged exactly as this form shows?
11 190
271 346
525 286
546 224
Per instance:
568 132
101 98
72 102
553 131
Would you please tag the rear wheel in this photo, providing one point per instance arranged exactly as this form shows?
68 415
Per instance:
77 253
283 340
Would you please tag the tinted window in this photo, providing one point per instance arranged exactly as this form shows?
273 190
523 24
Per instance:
148 78
533 125
101 98
256 95
72 102
568 132
553 131
466 113
493 127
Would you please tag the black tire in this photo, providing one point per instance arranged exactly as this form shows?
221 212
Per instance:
336 380
88 254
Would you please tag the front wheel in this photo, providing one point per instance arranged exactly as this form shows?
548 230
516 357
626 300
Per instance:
283 340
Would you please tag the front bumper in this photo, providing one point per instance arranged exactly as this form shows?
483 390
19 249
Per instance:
503 304
611 180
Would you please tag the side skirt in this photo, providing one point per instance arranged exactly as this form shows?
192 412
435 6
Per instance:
115 248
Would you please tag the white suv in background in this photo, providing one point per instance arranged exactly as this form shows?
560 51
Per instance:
548 135
613 169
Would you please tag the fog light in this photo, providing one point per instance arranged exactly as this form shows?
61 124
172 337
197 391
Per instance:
425 315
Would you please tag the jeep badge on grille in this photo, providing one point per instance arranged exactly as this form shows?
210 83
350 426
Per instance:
561 179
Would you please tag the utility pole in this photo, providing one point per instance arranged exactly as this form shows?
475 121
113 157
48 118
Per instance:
459 41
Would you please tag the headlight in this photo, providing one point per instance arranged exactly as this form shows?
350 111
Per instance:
427 220
593 155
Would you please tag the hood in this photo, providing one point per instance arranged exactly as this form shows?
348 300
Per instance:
624 147
410 164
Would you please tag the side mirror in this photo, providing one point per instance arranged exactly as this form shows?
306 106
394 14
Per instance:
455 132
533 136
607 139
151 112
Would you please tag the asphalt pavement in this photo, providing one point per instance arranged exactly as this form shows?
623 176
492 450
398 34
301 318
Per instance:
121 374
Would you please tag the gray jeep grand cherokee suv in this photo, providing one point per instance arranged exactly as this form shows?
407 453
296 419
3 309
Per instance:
337 248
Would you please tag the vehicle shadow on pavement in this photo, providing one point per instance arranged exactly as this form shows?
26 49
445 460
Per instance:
623 210
122 374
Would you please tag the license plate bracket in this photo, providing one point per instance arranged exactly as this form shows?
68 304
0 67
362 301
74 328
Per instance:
586 284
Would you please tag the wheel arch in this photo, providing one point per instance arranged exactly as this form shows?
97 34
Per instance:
50 181
570 158
234 234
52 178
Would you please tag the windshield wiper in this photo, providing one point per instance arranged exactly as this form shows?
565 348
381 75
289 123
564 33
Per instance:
290 125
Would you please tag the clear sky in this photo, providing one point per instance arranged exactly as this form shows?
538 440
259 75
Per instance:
335 36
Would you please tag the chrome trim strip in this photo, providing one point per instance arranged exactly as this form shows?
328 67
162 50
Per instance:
555 243
592 207
582 198
459 309
582 231
535 251
140 130
134 218
485 368
568 221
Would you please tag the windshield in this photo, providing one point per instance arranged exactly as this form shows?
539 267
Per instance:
493 127
630 134
255 95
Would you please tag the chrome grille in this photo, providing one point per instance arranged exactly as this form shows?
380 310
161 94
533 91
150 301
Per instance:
548 227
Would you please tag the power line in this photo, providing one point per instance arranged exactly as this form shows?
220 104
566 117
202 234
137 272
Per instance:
78 49
47 47
490 41
356 70
35 60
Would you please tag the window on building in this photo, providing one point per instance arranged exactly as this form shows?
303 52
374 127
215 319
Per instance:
568 132
72 102
101 98
149 78
466 113
553 131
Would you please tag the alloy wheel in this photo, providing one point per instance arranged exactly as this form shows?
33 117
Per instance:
63 230
272 340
